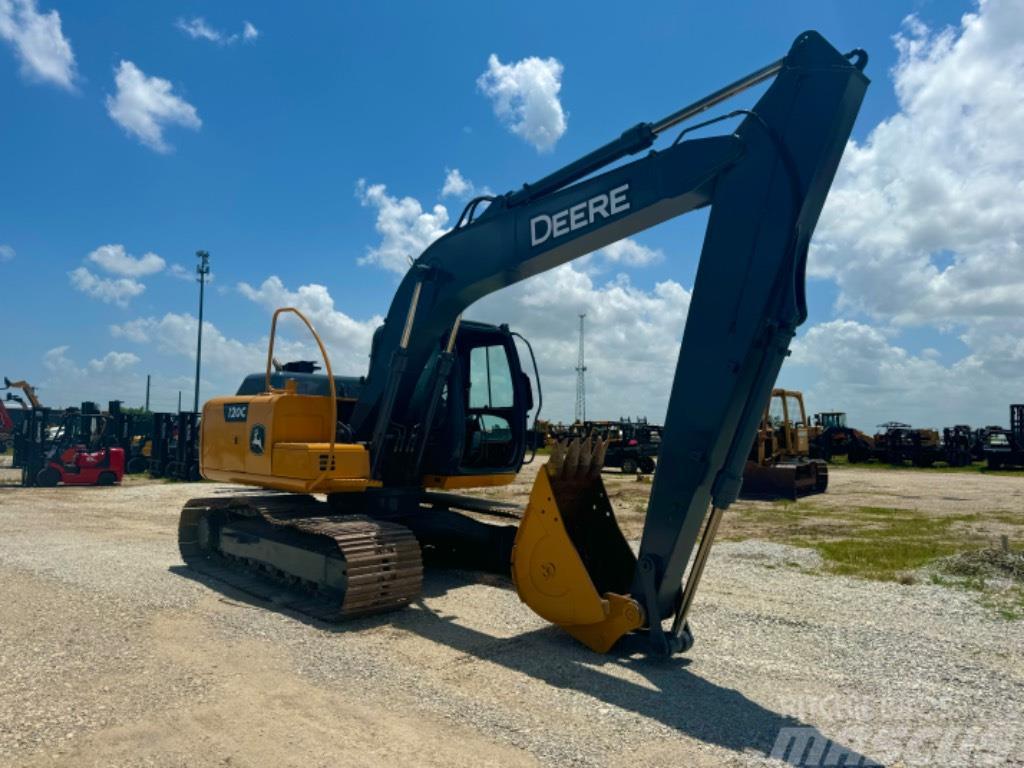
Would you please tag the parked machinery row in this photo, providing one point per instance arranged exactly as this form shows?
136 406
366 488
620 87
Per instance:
162 444
86 446
173 448
898 443
1005 447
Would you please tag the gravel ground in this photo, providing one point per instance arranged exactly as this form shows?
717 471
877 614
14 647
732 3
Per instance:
112 654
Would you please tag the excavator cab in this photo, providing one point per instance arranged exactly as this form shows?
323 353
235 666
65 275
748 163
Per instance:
479 429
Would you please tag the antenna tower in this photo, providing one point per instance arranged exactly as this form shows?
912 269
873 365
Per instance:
581 383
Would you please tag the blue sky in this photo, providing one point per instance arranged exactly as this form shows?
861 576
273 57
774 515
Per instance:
270 133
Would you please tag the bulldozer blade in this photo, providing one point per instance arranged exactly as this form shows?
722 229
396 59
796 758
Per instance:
570 562
784 480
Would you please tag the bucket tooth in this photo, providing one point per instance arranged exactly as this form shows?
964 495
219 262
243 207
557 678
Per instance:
586 456
572 458
557 459
600 449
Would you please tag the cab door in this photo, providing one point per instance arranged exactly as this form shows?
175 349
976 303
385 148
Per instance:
480 426
494 422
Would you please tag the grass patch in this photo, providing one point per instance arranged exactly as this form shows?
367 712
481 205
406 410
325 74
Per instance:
996 574
882 559
878 543
888 544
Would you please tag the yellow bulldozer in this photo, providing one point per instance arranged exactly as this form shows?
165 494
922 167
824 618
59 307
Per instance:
356 472
780 463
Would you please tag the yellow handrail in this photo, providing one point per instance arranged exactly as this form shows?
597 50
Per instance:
312 484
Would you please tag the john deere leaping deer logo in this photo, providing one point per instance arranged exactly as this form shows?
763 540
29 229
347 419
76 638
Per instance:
257 437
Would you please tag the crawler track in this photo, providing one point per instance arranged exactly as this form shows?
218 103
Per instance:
380 560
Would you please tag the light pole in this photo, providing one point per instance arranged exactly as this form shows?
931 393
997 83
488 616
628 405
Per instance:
202 269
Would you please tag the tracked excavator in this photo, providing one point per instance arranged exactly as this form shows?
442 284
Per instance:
355 475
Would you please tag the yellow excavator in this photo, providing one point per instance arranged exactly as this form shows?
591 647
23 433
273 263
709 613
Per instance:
356 473
28 389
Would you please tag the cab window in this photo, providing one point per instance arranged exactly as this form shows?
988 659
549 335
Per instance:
795 411
490 379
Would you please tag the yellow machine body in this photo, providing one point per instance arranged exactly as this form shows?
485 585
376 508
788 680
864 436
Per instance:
280 440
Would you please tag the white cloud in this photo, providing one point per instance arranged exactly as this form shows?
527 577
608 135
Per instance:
525 98
850 366
38 41
108 290
114 259
632 339
227 360
144 106
138 330
924 227
631 253
347 339
7 253
456 185
924 223
405 228
114 361
111 377
175 334
198 29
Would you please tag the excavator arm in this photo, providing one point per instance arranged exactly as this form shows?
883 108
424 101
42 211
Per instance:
765 183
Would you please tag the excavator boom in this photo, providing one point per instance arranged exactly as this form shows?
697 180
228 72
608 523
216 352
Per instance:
765 183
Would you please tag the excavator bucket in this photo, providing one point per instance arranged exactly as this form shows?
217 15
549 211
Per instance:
570 563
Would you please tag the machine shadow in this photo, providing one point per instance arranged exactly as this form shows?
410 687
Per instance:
703 710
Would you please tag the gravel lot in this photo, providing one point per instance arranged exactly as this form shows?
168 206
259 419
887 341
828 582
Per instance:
112 654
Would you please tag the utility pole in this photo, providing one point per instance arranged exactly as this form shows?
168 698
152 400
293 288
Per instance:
147 393
581 383
202 269
179 401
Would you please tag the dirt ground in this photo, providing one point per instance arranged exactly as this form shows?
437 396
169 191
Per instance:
112 654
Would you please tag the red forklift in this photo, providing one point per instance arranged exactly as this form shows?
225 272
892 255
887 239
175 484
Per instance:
68 458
